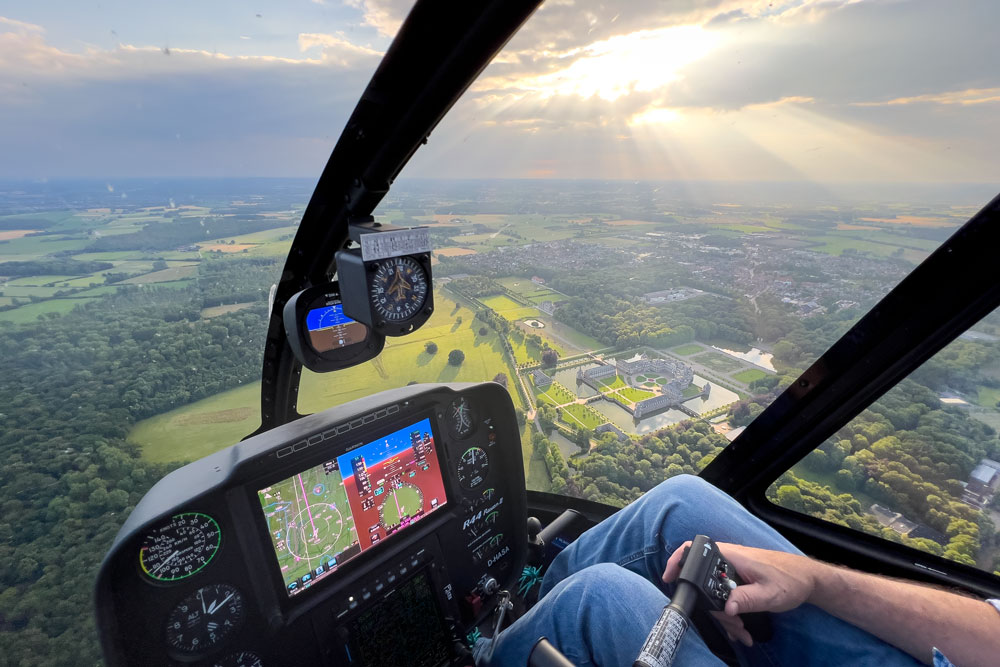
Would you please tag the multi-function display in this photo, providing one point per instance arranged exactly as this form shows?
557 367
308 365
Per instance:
326 515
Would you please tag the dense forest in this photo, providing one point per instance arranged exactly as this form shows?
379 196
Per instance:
72 386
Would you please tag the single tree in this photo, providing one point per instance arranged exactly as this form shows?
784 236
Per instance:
431 347
501 378
456 357
549 357
482 331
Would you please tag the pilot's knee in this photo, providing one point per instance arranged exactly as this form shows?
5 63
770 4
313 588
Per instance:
607 585
686 489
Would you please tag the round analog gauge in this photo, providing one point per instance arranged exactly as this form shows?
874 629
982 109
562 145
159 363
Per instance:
180 547
460 418
204 619
472 467
240 659
399 289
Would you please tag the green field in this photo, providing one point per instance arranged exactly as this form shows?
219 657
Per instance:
404 360
691 391
526 351
581 415
988 397
165 275
33 311
609 383
685 350
718 362
749 375
198 429
556 394
635 395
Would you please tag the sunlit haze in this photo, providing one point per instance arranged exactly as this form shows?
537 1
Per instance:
837 91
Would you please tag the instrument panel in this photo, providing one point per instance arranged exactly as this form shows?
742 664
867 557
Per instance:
360 535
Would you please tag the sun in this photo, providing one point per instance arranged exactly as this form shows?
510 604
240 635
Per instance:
641 61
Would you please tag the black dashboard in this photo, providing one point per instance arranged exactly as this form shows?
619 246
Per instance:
373 533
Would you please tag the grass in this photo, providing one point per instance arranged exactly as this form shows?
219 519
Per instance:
718 362
33 311
198 429
635 395
404 360
581 415
688 349
691 391
164 276
749 375
215 311
526 351
556 394
988 396
616 383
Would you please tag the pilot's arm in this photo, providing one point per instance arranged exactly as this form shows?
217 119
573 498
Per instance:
913 617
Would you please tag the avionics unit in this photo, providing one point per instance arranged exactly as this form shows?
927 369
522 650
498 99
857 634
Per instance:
305 544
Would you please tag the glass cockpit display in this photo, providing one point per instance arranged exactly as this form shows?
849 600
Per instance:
326 515
330 329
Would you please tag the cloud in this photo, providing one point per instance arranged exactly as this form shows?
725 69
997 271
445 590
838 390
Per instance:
384 15
961 97
134 111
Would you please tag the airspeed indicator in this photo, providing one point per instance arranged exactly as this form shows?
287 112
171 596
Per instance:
179 547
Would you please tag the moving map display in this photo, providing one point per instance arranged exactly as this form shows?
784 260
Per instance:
326 515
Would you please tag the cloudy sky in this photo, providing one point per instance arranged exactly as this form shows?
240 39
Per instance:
824 91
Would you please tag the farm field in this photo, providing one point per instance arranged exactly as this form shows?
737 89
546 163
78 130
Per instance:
33 311
198 429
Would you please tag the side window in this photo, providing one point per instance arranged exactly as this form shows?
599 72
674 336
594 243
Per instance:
921 465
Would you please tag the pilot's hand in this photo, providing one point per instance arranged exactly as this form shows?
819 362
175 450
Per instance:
773 581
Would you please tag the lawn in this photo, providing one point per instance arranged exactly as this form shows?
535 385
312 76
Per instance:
215 311
581 415
685 350
555 394
635 395
691 391
500 303
718 362
198 429
608 383
749 375
526 351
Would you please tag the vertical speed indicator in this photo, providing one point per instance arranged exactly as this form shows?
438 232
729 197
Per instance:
472 467
460 418
179 547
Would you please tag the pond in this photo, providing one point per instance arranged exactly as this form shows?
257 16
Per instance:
566 446
567 378
624 420
718 397
754 356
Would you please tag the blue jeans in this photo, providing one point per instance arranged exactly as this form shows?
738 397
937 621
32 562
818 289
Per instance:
601 596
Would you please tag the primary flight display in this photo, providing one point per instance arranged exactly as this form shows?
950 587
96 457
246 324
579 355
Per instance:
326 515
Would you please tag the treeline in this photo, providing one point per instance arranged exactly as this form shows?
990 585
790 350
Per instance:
478 286
245 280
71 387
169 235
616 473
52 267
912 455
630 322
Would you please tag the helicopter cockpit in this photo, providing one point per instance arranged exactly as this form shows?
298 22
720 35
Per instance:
387 530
